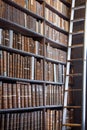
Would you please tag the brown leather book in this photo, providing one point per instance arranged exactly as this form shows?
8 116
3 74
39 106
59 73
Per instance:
9 92
14 96
18 85
1 94
25 95
4 96
22 95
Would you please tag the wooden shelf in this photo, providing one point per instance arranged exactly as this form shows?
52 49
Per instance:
13 79
16 27
56 44
21 52
57 12
54 61
18 110
54 83
56 27
28 12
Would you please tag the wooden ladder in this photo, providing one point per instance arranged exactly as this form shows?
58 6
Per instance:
76 58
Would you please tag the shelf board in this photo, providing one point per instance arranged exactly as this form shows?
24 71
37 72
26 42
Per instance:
54 83
56 44
9 79
21 110
55 61
57 12
56 27
13 79
66 3
24 53
25 10
21 29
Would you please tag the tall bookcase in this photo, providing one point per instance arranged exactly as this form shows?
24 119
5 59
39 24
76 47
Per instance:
33 47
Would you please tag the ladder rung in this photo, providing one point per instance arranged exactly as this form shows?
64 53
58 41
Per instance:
79 59
78 20
72 125
77 33
76 46
77 74
71 90
72 107
79 7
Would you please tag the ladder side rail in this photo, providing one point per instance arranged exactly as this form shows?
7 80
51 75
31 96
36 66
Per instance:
84 72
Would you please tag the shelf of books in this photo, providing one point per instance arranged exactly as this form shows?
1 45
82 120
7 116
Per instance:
33 49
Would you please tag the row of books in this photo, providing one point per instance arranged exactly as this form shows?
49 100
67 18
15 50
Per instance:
31 120
18 41
54 72
55 35
59 6
32 5
55 53
21 95
56 19
37 8
53 120
17 16
54 95
22 121
18 66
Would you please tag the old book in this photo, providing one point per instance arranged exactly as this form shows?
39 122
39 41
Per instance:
37 95
10 63
15 120
18 66
20 69
18 85
28 67
28 120
29 95
1 94
22 95
11 121
55 75
32 68
14 96
21 121
25 67
9 93
1 36
37 69
41 69
25 95
7 121
18 121
4 96
33 6
10 38
2 125
33 95
4 60
41 95
1 63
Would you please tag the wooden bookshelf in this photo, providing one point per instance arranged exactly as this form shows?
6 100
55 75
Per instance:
30 85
